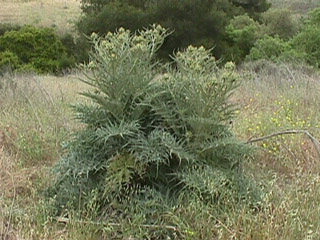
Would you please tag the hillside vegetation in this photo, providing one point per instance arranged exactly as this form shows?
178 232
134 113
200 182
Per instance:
265 189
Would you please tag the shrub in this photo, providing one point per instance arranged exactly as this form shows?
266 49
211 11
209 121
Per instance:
149 138
115 14
242 32
39 48
76 49
274 49
279 22
8 60
307 41
302 47
313 17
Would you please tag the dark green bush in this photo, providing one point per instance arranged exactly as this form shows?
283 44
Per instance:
76 49
253 7
313 17
195 22
279 22
9 60
115 14
68 41
242 32
36 47
274 49
151 138
307 41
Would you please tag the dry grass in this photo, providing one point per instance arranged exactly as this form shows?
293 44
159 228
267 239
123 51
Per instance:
59 14
276 97
33 106
35 118
300 7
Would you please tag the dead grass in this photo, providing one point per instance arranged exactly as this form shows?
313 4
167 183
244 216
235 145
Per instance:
300 7
33 106
59 14
275 98
35 117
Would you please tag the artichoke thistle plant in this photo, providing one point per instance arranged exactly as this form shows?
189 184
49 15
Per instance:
152 132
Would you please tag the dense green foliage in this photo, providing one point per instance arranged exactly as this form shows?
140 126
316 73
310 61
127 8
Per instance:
279 22
152 138
313 17
307 41
271 48
196 22
242 32
252 40
8 60
277 38
37 49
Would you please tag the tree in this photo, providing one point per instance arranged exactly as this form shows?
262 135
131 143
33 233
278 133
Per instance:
279 22
253 7
307 41
196 22
241 33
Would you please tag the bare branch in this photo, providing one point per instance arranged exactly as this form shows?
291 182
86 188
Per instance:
286 132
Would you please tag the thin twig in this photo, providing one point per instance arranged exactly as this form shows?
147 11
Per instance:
286 132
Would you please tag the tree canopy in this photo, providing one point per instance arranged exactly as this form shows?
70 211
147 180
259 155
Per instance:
193 22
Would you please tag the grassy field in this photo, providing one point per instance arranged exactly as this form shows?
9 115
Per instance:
59 14
36 118
297 6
